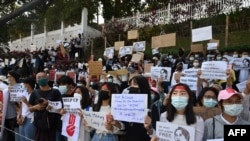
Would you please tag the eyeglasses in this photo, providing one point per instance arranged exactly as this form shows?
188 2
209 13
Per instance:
209 96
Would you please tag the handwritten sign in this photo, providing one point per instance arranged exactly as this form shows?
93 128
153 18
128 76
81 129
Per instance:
214 70
55 106
95 67
168 131
139 46
202 34
133 34
166 40
190 72
190 81
71 104
118 45
96 119
71 126
129 107
206 113
17 93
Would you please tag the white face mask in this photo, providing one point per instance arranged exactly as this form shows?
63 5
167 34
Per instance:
196 64
196 55
78 95
233 110
235 56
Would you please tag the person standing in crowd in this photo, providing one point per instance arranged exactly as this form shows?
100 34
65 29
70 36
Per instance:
179 111
231 105
25 117
43 120
11 111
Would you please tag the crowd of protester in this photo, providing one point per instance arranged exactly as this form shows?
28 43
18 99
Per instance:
170 102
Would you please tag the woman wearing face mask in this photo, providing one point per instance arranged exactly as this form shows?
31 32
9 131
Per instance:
196 64
83 93
104 105
230 102
180 111
207 99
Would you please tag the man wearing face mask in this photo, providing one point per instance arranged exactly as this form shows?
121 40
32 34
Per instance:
231 105
44 121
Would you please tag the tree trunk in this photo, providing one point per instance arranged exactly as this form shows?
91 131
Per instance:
226 31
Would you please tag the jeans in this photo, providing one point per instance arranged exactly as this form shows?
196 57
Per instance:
27 130
105 137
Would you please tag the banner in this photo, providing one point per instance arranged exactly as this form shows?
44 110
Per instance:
129 107
96 119
71 126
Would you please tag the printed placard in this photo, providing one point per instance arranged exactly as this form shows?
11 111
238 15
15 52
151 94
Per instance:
71 126
139 46
133 34
118 45
241 63
190 81
125 50
96 120
56 106
171 132
129 107
161 72
202 34
109 52
190 72
17 93
71 104
214 70
155 51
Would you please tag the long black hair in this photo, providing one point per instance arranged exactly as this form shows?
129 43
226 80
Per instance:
86 99
189 112
202 93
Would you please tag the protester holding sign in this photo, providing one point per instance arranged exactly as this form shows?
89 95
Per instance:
180 111
11 112
25 116
230 102
104 105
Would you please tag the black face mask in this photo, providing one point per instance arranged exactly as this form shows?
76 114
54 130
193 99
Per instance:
134 90
104 95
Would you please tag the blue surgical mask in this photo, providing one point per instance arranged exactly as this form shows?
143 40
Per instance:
233 109
209 102
179 102
42 82
63 89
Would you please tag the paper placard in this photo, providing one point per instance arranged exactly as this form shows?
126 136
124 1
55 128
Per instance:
215 41
167 40
171 132
197 48
206 113
240 63
112 73
129 107
190 72
95 67
136 58
69 122
155 51
118 45
147 67
190 81
214 70
139 46
122 72
241 86
133 34
109 52
56 106
212 46
17 92
202 34
142 55
96 120
161 72
71 104
125 50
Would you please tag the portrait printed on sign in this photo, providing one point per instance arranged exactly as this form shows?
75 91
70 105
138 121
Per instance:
109 52
161 72
139 46
125 50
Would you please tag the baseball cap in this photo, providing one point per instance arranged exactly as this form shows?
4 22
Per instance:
227 93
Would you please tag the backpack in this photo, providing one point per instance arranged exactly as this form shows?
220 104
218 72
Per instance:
44 120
